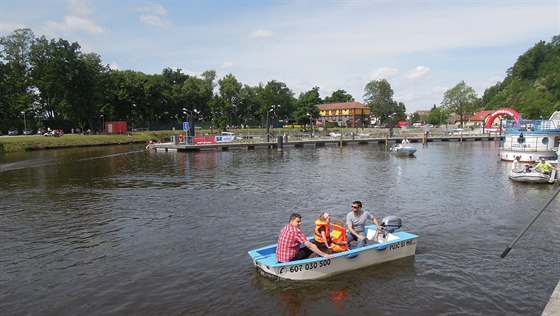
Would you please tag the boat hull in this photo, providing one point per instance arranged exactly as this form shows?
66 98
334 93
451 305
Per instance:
532 177
530 140
403 151
399 245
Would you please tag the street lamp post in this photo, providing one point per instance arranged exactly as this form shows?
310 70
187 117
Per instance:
268 125
102 124
24 121
310 124
392 116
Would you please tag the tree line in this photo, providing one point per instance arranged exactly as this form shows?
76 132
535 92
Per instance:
51 83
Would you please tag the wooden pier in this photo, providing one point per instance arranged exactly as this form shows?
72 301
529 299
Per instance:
282 142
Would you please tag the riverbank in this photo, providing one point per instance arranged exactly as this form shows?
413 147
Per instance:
38 142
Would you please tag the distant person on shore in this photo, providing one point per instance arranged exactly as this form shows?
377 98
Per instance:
544 167
356 222
290 240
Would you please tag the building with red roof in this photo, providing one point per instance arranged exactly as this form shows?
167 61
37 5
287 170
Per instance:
346 114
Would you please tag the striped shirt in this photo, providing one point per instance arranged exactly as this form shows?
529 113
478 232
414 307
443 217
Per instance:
289 243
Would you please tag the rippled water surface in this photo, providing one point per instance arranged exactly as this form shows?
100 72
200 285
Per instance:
119 230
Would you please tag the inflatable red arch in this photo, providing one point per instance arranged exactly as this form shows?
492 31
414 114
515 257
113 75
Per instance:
503 111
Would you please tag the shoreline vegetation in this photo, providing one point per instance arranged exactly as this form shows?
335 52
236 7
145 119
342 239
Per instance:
9 144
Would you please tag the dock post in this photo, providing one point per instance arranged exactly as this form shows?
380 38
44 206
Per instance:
280 146
386 141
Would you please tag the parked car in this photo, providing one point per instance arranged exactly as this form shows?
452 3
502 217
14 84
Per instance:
459 131
27 132
55 133
335 133
13 132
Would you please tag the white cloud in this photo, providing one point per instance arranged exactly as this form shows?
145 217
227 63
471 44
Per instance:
154 15
227 65
261 33
73 24
6 27
383 73
154 9
79 7
418 72
153 20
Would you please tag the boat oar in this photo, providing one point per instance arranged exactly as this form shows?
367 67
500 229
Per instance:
529 225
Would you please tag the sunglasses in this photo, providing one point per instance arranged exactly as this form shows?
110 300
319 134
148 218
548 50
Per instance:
354 206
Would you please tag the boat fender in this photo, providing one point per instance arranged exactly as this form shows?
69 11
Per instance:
181 138
352 255
382 247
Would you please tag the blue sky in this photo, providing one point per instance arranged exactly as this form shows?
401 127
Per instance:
422 48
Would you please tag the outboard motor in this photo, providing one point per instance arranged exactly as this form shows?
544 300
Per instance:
391 223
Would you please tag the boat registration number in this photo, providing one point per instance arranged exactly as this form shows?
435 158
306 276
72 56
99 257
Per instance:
308 266
401 244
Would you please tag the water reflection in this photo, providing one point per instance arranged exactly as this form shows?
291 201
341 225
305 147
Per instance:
338 294
128 231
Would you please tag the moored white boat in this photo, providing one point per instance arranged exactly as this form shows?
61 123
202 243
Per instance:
531 139
403 149
394 246
532 177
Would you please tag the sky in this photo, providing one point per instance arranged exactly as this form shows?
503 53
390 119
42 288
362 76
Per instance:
422 48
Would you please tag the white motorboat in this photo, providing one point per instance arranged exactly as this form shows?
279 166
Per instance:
390 246
531 139
403 149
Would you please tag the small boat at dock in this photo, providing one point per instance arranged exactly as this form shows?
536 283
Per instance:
403 149
531 139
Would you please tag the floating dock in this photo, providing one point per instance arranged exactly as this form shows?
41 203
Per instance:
282 142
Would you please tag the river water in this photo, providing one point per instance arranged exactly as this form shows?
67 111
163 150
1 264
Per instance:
120 230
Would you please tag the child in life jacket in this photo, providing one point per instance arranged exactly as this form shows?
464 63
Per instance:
322 232
339 240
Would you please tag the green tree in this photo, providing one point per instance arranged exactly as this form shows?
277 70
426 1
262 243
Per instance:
276 99
226 110
378 97
306 109
532 84
69 82
437 116
460 100
17 90
339 96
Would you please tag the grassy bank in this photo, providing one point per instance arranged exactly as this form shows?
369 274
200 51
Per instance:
39 142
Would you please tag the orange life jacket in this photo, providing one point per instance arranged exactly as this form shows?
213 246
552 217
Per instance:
318 236
339 240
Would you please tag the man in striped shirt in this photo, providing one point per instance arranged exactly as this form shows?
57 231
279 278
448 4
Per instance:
290 239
